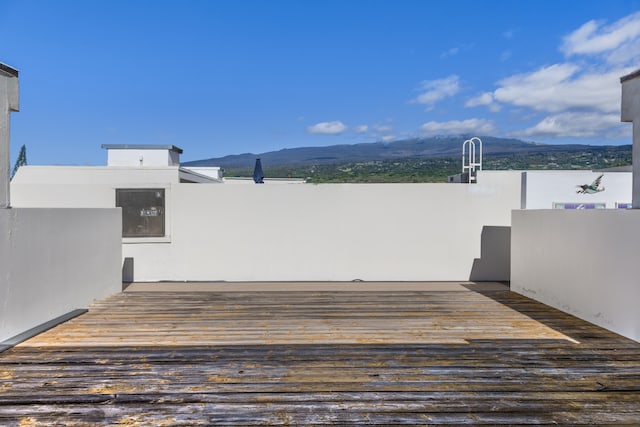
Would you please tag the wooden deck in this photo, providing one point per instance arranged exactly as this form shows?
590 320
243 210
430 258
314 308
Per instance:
430 354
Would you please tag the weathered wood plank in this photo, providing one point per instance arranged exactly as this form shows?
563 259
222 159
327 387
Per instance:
280 358
320 413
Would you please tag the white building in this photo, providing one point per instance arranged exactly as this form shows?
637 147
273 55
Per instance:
175 230
560 190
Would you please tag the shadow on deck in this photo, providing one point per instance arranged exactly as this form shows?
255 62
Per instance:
360 353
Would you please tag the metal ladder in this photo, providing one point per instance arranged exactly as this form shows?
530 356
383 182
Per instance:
470 164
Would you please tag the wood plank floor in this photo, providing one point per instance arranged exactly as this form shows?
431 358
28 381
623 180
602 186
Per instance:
447 354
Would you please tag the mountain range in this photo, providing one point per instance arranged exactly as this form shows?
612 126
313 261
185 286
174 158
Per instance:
415 148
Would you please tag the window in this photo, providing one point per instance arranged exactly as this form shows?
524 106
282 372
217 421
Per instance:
143 213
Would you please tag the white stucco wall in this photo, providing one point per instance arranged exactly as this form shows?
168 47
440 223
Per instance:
91 175
585 263
543 188
53 261
142 157
63 196
311 232
331 232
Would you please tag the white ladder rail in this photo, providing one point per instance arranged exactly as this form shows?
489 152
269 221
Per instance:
473 165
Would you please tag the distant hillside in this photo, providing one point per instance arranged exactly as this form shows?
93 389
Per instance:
418 148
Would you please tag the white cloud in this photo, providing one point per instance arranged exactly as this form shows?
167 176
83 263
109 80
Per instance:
575 124
505 55
626 54
458 127
485 98
327 128
456 50
581 96
382 131
451 52
382 128
562 87
434 91
361 129
594 38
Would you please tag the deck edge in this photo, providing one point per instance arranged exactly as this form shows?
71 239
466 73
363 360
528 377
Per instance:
30 333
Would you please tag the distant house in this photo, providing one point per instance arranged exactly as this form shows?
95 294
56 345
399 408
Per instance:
138 178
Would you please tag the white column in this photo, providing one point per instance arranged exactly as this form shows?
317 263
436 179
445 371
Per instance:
631 113
635 158
8 103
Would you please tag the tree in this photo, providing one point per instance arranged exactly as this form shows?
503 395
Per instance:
21 161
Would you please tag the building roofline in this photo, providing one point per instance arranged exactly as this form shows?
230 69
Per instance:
141 147
196 177
8 70
631 76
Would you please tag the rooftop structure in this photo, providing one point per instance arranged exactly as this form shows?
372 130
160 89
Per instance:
631 113
9 102
150 156
346 349
141 155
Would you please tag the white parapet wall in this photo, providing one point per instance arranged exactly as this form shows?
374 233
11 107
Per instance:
586 263
301 232
334 232
53 261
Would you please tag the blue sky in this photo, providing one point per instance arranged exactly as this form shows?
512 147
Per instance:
229 77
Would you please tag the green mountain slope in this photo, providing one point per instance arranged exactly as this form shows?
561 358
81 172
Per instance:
418 148
416 160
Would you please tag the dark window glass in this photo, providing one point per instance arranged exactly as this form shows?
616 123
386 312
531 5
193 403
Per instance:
142 211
